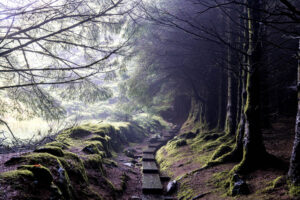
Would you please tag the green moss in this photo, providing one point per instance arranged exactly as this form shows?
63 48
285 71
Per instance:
58 144
180 143
15 175
272 185
95 147
294 190
222 149
74 167
44 159
185 191
110 162
41 173
124 179
94 162
61 178
56 151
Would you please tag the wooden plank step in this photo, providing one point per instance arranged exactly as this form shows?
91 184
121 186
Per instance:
149 150
149 167
148 157
151 184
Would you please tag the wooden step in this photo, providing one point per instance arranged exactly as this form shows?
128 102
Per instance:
149 167
151 184
148 157
149 150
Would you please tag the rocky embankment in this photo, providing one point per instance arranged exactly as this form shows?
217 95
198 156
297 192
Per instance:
77 165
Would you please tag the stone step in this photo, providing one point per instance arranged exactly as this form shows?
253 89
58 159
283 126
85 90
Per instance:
149 151
148 157
151 184
149 167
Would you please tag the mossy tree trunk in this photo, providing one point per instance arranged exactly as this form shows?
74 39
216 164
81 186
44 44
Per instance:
254 150
294 170
230 123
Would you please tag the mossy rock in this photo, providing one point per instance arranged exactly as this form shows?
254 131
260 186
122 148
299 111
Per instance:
22 184
41 173
95 147
60 176
129 152
74 167
78 133
94 161
56 151
15 175
61 145
105 144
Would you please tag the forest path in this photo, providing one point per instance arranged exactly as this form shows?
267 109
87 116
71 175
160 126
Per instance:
153 181
145 180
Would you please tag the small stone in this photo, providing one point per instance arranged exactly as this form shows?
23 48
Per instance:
171 187
240 187
130 153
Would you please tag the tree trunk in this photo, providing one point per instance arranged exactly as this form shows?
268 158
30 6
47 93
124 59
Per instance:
221 101
294 170
230 123
254 149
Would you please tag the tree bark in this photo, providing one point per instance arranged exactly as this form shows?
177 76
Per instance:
230 123
294 170
254 149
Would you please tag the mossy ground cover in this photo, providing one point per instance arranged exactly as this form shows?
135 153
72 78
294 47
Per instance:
185 163
192 153
60 167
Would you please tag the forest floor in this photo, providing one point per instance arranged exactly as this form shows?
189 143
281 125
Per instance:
121 165
181 161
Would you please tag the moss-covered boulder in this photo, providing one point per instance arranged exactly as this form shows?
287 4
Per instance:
95 147
23 184
94 161
60 176
79 133
61 145
74 167
56 151
41 173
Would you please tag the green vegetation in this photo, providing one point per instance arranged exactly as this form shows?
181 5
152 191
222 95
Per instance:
294 190
54 165
41 173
